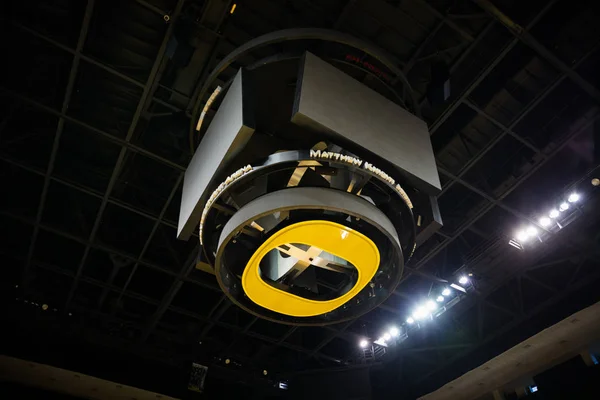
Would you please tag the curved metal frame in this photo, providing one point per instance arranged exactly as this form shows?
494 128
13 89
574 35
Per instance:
276 160
317 199
301 34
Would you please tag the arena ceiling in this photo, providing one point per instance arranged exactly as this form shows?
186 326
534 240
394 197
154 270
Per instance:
94 139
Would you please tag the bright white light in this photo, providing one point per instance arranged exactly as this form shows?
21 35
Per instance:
553 213
446 292
363 343
457 287
431 306
522 236
394 331
545 221
386 336
531 231
344 234
573 197
410 320
420 313
463 280
439 299
564 207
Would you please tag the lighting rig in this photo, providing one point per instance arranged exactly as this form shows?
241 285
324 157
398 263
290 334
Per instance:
434 306
566 210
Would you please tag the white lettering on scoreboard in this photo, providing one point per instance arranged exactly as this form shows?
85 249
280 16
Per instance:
324 155
329 155
230 179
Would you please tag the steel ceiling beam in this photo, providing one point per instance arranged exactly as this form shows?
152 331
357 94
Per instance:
523 35
146 246
463 56
146 95
525 111
466 35
494 201
417 53
465 94
100 65
88 191
83 32
108 250
105 135
177 310
556 297
167 299
590 120
506 130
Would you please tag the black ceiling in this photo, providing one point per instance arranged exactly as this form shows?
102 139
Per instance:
94 141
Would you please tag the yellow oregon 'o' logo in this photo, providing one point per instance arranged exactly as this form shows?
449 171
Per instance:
328 236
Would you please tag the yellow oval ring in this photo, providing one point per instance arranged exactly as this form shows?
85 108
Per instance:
329 236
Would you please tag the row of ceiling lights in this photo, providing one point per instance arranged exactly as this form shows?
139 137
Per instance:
420 313
531 232
424 311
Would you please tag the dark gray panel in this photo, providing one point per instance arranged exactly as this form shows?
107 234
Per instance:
228 133
332 102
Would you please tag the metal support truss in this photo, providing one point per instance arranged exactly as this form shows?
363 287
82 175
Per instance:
146 95
489 206
524 36
57 136
89 192
555 297
446 20
103 66
157 223
279 342
105 135
446 114
505 130
109 250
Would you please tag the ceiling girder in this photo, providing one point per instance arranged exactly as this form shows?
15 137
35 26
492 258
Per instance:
57 135
146 95
524 36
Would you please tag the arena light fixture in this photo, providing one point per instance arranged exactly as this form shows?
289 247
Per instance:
553 213
363 343
458 287
545 221
410 320
563 207
419 313
440 299
532 231
522 235
463 280
431 305
394 331
446 292
386 336
573 198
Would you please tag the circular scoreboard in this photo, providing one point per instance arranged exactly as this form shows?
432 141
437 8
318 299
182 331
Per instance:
308 237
